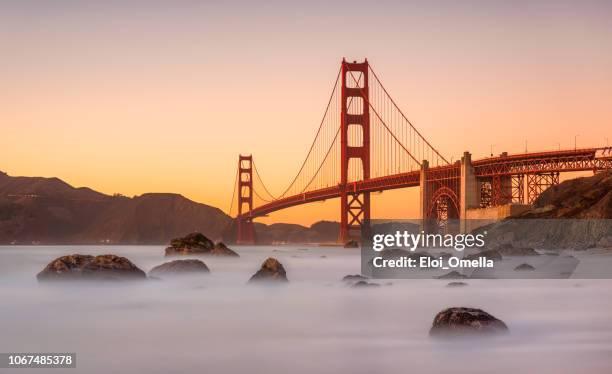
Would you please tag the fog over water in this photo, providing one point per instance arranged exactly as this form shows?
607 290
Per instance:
215 323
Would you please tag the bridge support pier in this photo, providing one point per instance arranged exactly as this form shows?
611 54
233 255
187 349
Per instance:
354 112
469 190
246 230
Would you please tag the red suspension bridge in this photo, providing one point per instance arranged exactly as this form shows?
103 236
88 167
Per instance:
366 144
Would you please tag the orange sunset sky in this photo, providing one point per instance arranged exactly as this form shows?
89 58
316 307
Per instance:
161 96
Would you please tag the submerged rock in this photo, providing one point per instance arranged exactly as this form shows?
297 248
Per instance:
524 267
364 284
198 244
453 275
271 271
465 321
351 244
179 267
456 284
87 267
354 278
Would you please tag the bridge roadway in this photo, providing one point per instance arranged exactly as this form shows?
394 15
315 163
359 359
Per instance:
588 159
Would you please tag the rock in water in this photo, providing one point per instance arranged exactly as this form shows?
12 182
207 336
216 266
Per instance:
524 267
351 244
354 278
86 267
221 249
192 244
456 284
179 267
364 284
271 271
198 244
452 275
465 321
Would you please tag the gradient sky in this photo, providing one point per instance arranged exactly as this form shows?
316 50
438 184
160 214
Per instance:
151 96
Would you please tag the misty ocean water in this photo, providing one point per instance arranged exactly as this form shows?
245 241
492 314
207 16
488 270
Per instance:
216 323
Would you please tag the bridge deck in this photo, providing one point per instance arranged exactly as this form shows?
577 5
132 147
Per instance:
590 159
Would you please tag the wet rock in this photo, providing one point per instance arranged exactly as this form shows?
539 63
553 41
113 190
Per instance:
490 254
465 321
271 271
351 244
456 284
453 275
87 267
524 267
193 244
364 284
354 278
221 249
179 267
198 244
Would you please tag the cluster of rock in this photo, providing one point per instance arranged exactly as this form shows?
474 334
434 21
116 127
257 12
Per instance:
87 267
198 244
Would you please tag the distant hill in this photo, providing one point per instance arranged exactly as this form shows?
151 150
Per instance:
50 211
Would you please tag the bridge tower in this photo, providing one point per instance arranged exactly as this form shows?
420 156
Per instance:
354 120
246 230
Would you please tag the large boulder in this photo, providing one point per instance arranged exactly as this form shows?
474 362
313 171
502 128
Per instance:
87 267
179 267
197 244
465 321
271 271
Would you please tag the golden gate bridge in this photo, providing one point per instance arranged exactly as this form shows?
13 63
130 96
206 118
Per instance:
365 143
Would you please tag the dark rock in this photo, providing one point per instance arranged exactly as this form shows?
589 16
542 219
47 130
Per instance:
453 275
179 267
364 284
198 244
86 267
192 244
465 321
221 249
354 278
351 244
456 284
524 267
271 271
490 254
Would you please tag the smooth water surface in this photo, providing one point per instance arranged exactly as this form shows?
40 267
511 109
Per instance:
316 324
